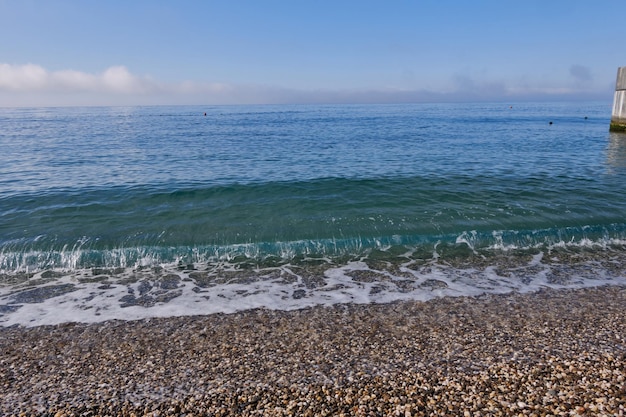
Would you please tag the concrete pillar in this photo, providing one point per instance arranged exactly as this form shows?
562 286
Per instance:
618 117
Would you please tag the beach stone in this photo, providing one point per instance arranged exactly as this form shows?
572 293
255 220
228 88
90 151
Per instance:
376 289
434 284
553 352
169 282
297 294
167 296
128 300
149 300
311 281
367 276
39 295
144 287
405 285
106 286
51 274
107 271
9 308
97 278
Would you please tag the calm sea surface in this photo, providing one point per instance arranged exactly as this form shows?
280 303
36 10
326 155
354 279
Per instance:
130 212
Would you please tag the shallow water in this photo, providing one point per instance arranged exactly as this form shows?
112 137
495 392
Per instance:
142 211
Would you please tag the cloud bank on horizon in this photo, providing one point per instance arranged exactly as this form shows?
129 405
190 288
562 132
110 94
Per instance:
31 85
71 52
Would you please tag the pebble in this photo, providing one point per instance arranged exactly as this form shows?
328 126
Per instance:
555 352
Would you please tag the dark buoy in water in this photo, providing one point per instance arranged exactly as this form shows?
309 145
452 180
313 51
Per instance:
205 113
550 122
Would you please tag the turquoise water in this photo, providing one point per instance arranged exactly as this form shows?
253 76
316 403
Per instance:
120 196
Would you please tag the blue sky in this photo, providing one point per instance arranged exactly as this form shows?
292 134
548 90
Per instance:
83 52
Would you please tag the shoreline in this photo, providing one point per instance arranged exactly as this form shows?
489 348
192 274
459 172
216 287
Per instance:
552 352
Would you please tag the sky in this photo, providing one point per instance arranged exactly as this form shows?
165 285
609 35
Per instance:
145 52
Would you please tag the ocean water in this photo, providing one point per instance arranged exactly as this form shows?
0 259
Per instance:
134 212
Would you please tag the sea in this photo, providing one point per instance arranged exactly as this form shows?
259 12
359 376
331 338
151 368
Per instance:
138 212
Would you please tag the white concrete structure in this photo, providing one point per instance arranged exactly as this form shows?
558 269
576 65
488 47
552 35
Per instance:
618 117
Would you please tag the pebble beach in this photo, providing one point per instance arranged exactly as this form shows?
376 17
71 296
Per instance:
547 353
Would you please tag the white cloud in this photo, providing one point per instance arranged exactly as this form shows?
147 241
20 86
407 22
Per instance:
73 80
22 77
34 78
119 79
33 85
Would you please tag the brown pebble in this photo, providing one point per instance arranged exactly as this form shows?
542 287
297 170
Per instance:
548 353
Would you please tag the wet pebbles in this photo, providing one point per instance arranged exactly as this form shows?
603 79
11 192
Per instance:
547 353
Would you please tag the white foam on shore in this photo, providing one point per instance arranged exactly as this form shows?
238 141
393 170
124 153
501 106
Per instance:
354 282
